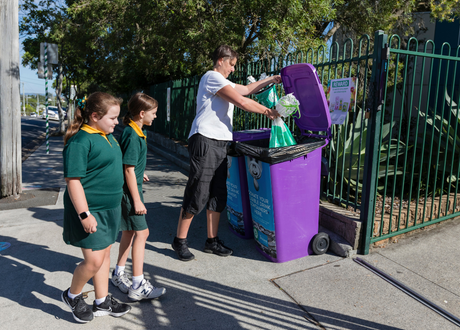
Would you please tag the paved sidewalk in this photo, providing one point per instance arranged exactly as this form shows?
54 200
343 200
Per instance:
243 291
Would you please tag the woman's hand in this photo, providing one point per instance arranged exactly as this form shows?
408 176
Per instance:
146 178
89 224
276 79
271 114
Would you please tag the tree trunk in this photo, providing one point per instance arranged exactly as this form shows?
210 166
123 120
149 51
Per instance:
10 112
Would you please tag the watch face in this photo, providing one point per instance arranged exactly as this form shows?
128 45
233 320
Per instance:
83 215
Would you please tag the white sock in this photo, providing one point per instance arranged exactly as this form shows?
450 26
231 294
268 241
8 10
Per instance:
99 301
119 269
71 295
137 280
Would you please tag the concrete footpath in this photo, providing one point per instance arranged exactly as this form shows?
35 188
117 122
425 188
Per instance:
243 291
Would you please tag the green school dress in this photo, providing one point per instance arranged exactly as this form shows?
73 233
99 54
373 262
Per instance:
134 148
96 159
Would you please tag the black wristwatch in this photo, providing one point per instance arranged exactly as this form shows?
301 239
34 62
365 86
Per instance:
83 215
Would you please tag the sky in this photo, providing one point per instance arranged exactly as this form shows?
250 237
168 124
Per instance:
32 85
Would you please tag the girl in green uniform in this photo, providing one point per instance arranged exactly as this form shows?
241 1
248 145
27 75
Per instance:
142 111
93 173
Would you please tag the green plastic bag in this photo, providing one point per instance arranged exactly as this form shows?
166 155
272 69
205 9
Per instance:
280 135
267 97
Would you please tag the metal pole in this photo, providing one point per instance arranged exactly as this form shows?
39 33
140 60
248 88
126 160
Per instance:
23 100
372 142
36 108
46 99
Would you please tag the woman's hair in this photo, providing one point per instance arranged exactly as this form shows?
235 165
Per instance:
223 51
139 102
98 103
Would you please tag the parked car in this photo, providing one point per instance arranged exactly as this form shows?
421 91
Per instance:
53 113
33 114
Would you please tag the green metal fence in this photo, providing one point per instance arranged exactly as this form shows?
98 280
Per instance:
419 141
395 160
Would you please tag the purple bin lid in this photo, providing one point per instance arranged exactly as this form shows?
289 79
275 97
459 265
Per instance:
302 80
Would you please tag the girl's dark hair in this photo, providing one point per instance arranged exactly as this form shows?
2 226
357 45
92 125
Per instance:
139 102
223 51
97 102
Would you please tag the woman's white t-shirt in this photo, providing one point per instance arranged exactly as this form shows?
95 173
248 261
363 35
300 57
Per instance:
214 115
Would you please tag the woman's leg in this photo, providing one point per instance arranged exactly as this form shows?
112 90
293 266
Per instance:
185 220
139 251
125 244
213 218
101 278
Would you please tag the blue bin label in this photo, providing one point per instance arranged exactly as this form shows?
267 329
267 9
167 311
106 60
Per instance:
234 200
261 201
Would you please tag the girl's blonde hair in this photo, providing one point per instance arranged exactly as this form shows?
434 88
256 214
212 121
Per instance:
139 102
97 102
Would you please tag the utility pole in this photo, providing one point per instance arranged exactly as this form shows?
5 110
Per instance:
10 101
37 107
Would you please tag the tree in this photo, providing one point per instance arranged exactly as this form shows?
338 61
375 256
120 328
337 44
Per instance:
10 115
124 45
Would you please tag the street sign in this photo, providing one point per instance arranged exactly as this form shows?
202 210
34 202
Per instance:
41 71
52 53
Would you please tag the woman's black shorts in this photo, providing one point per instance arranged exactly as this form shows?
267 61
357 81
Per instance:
206 184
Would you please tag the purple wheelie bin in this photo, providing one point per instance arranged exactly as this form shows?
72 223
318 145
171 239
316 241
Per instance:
238 208
284 183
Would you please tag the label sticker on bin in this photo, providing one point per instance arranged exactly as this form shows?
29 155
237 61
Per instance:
234 199
260 198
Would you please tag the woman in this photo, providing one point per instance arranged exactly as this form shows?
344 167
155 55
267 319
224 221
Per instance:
211 131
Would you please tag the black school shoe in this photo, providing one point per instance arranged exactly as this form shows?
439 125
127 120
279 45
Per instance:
80 310
216 246
181 248
110 307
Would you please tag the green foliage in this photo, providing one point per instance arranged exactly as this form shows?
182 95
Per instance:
439 147
348 152
124 45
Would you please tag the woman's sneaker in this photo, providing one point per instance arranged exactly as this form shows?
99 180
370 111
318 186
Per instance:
216 246
121 281
145 291
181 248
80 310
110 307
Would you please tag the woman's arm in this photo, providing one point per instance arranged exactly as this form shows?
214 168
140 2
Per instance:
78 198
229 94
131 182
257 86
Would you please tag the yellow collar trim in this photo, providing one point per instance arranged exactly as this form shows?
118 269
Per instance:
137 129
92 130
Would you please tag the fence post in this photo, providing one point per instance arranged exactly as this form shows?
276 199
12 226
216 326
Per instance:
371 162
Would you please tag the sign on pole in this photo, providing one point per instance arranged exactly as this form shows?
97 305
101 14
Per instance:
52 53
48 56
41 71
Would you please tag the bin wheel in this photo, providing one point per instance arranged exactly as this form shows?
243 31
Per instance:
320 243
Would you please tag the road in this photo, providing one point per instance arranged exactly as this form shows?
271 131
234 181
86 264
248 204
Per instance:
31 128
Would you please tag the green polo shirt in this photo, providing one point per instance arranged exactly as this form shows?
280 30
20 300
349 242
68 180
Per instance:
134 149
97 160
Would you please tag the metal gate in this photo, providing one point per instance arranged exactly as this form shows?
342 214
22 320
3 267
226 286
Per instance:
413 151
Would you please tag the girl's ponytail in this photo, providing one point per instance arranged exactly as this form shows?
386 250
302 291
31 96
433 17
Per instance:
127 119
75 126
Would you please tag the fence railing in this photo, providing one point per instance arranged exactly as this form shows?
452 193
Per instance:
393 150
420 149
